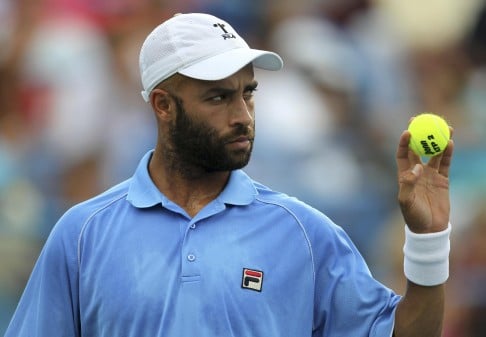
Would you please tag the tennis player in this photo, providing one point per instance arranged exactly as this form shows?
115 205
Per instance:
192 246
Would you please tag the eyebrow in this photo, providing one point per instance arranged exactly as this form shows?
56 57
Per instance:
222 90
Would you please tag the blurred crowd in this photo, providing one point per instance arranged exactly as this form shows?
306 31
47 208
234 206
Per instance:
73 122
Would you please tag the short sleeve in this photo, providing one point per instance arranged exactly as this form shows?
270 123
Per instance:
48 305
348 300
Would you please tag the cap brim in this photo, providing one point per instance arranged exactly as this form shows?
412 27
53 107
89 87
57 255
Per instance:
226 64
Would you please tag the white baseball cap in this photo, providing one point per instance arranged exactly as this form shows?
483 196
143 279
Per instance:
199 46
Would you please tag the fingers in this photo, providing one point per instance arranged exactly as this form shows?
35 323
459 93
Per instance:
402 151
407 181
410 177
442 162
447 159
404 157
435 161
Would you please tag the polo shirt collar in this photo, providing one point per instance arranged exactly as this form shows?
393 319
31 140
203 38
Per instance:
143 193
239 190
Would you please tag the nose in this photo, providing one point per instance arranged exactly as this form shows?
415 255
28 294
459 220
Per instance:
242 112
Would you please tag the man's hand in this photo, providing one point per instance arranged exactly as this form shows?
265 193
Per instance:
423 188
425 204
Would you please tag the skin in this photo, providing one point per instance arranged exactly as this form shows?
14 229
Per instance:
425 205
225 110
216 118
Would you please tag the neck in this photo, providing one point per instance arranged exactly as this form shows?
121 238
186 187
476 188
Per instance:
189 187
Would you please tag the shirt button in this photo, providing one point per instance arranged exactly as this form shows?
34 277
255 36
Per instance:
192 226
191 257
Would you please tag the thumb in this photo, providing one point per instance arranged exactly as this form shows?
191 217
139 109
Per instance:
407 183
417 170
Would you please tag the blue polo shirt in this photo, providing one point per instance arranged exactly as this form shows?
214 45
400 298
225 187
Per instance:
253 262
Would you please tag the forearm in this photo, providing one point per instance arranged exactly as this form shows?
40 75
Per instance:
420 312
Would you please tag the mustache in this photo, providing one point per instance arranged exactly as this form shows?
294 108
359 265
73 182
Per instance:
239 132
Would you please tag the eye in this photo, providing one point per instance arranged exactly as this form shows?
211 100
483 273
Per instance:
248 94
218 98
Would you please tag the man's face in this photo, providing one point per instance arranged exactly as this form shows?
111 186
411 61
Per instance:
214 126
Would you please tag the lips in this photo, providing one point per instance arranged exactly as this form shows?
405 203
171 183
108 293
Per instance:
240 143
240 139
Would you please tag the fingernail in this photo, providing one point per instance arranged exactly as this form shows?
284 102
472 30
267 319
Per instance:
416 169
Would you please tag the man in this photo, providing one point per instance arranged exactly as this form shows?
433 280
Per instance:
191 246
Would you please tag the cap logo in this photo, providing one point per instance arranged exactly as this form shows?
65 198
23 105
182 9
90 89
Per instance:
252 279
226 34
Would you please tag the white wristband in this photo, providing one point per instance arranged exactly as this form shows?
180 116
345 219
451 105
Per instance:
426 257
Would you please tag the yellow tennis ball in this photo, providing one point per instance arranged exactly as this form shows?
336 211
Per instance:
429 134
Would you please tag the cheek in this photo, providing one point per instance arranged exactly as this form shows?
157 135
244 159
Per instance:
251 109
250 105
201 113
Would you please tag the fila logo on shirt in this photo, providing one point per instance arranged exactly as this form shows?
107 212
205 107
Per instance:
252 279
226 35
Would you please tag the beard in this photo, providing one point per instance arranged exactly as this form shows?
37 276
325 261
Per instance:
195 144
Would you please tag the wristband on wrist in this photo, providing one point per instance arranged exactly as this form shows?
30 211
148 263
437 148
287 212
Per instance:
426 257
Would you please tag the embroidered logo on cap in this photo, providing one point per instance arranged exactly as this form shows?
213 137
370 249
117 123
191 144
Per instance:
252 279
226 35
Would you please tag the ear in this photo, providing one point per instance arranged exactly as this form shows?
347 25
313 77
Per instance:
161 102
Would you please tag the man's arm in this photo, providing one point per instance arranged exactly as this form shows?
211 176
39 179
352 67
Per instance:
420 312
425 205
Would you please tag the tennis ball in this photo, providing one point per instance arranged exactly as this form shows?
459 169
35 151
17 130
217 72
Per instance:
429 134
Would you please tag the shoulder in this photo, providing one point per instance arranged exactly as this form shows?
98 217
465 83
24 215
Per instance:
289 203
326 240
98 203
312 220
74 219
